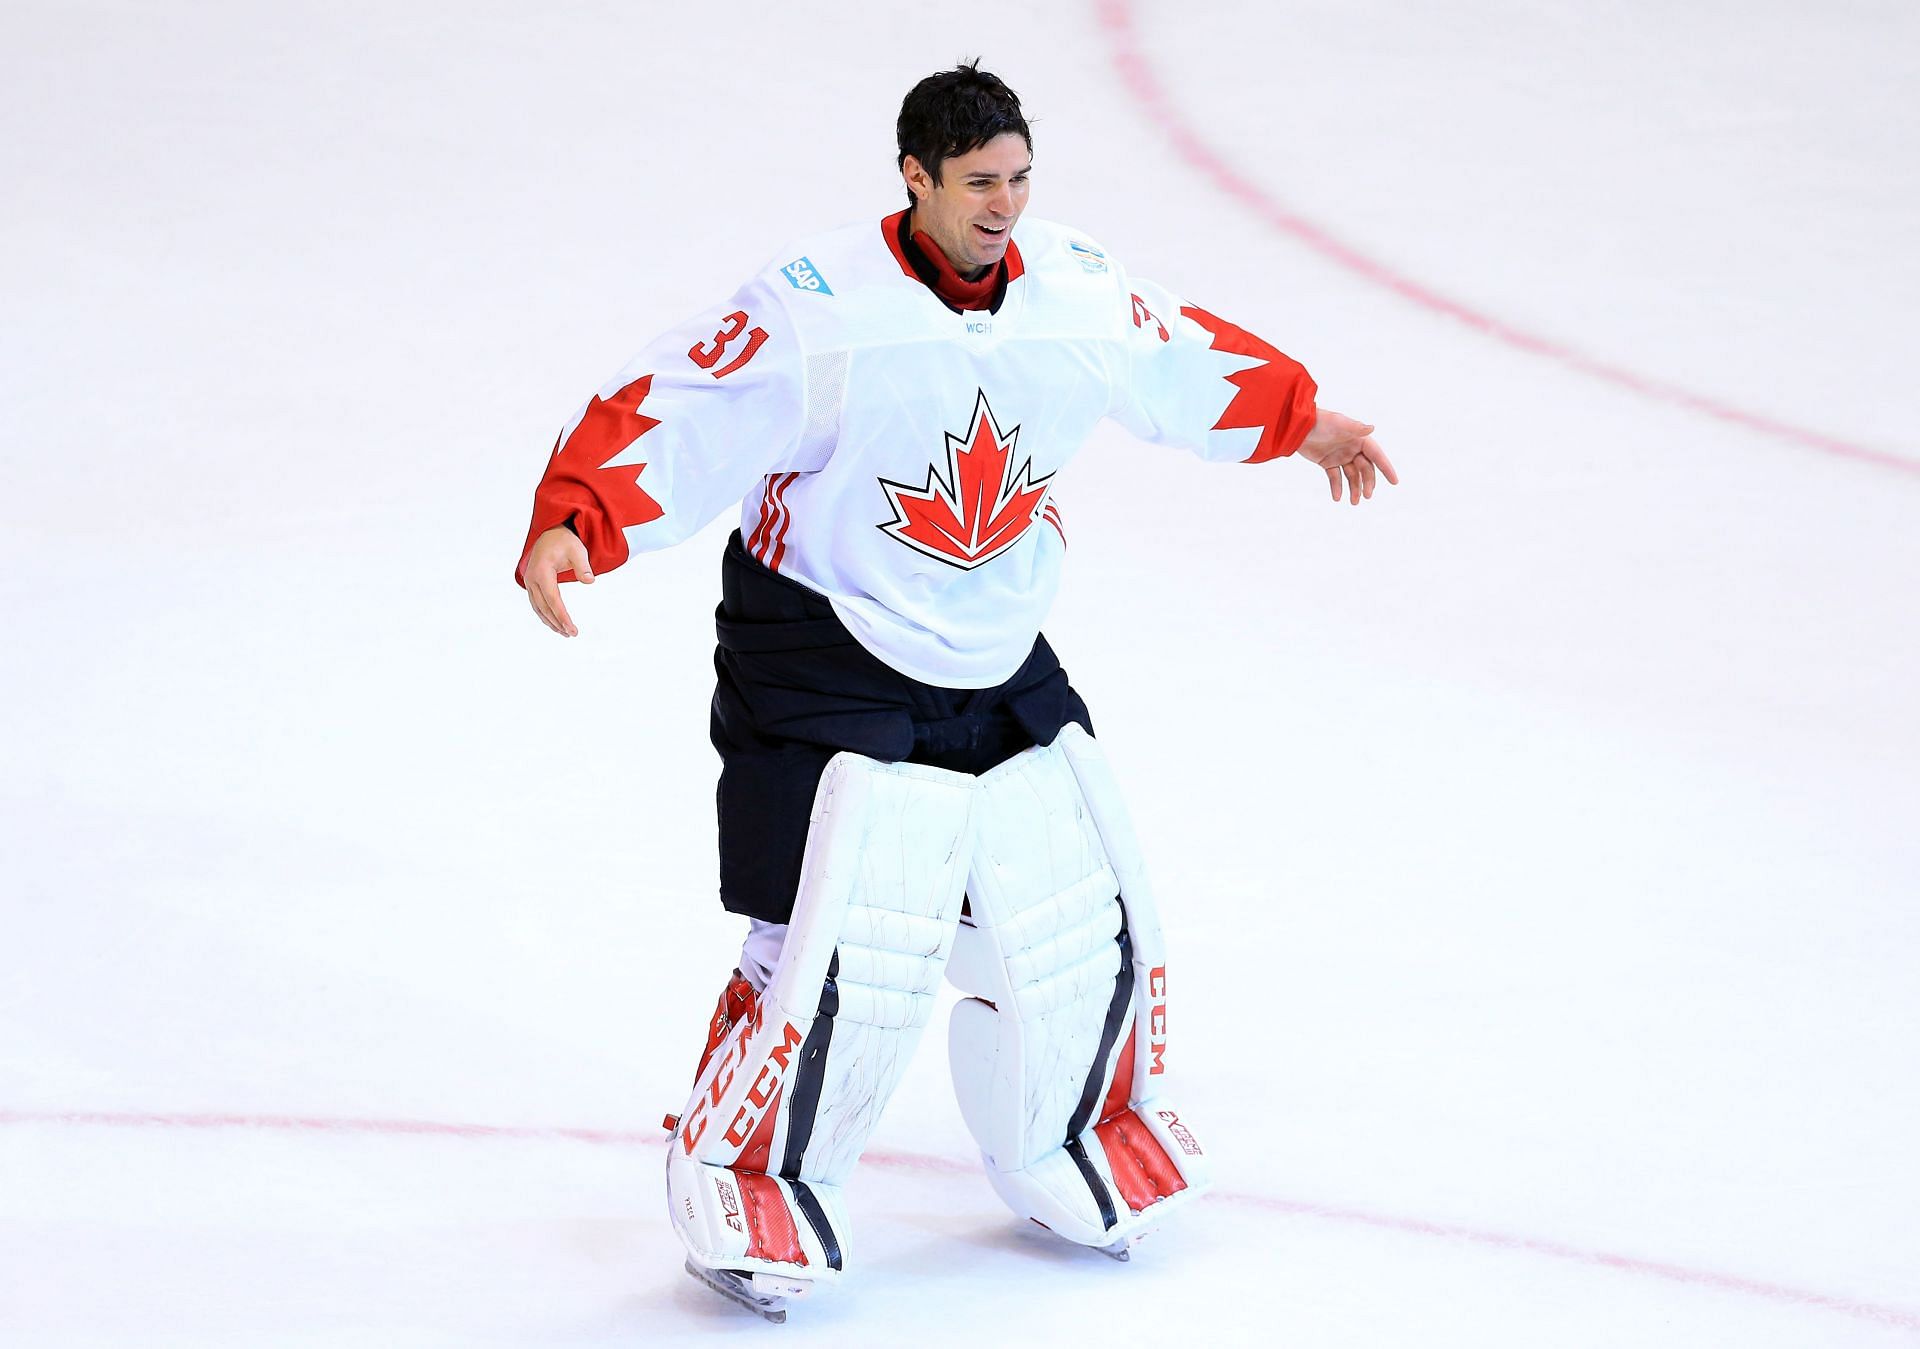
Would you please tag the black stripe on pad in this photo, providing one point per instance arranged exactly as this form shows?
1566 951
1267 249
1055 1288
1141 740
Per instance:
1109 1034
816 1213
1078 1151
812 1074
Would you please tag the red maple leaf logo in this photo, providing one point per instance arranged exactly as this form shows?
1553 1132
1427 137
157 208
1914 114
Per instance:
1276 395
597 456
593 480
981 508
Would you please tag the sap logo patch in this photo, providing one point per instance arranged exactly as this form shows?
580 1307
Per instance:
1090 258
801 275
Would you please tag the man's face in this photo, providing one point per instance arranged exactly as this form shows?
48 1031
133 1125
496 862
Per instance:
971 210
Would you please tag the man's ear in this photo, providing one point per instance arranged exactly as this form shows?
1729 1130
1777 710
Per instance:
919 181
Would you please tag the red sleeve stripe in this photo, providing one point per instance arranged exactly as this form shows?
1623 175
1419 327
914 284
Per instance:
786 521
768 543
766 512
1052 517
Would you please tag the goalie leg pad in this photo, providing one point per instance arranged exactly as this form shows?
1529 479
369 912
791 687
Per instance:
738 1219
783 1109
1059 1058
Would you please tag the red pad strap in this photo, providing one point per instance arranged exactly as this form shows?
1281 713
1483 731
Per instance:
1141 1168
736 1004
771 1234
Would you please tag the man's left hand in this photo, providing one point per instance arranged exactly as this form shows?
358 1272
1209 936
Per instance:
1347 450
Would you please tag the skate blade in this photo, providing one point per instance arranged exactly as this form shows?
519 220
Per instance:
1120 1250
738 1290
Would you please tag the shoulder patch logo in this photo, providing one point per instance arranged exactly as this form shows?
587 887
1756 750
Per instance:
802 275
1090 258
980 508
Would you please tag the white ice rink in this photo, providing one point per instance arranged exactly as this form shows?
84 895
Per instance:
1539 845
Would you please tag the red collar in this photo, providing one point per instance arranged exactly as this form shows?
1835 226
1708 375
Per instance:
937 274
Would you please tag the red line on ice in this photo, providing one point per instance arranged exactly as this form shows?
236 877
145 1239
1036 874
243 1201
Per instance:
914 1161
1136 72
320 1124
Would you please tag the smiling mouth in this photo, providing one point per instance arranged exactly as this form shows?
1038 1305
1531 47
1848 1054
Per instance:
1000 233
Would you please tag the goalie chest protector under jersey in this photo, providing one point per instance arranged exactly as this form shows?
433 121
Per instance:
901 458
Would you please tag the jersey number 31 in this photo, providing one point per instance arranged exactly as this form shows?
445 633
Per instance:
706 355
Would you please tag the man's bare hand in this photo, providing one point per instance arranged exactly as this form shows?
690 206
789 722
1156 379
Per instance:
1346 449
557 550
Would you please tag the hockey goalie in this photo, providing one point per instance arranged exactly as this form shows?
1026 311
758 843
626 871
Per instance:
910 788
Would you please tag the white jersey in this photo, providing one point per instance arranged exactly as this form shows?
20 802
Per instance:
899 457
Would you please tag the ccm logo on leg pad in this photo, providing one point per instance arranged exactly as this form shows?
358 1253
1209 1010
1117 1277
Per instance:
763 1092
1157 1020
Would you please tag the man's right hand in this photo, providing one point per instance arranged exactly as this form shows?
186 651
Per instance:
557 550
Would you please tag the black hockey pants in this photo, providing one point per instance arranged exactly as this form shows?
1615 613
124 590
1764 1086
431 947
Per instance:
794 687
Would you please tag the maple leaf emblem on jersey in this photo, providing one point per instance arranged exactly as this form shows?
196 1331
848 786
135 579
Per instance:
980 508
1274 395
603 451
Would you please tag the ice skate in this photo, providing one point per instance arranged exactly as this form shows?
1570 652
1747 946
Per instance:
764 1295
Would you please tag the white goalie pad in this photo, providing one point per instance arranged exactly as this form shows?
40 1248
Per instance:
1060 1056
783 1109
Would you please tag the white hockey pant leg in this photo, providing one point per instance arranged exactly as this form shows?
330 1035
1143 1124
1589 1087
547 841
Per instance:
1059 1060
784 1107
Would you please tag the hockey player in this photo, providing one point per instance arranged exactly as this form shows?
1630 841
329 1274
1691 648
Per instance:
909 784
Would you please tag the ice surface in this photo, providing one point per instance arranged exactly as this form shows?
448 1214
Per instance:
1537 844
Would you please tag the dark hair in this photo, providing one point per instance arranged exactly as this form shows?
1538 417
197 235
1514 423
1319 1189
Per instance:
954 113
